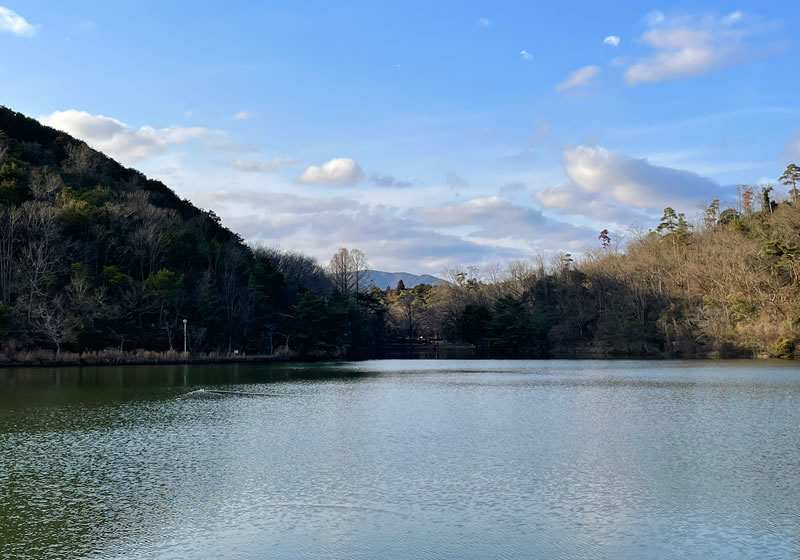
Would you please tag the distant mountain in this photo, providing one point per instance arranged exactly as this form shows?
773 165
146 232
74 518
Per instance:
383 279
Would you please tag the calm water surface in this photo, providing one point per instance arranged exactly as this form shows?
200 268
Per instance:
403 460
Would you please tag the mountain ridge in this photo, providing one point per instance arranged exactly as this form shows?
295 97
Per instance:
383 279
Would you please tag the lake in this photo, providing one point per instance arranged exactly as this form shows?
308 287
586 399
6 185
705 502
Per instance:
403 460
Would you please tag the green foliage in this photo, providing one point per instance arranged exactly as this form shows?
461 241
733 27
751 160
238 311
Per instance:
512 324
727 216
13 181
668 223
767 205
673 226
422 293
785 256
474 323
783 348
711 216
75 211
790 178
113 276
164 283
740 307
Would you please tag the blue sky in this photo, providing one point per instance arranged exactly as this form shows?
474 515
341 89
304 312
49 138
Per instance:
430 135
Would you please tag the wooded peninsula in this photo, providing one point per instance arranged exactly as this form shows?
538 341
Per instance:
97 260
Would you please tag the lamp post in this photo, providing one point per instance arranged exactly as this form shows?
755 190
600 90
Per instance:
184 337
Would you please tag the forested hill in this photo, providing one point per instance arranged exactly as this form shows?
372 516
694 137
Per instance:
93 254
95 257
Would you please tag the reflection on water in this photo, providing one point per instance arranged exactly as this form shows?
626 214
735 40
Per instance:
400 459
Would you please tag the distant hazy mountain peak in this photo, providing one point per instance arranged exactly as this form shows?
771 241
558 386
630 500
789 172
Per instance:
383 279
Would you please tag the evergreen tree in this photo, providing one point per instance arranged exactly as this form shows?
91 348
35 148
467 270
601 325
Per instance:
711 214
790 177
669 222
766 201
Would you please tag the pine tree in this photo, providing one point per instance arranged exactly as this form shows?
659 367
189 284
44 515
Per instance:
712 214
766 201
791 176
669 222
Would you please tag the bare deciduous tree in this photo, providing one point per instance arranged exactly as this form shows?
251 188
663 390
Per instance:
53 321
81 159
360 267
233 284
348 270
45 184
38 256
341 270
297 269
9 229
150 236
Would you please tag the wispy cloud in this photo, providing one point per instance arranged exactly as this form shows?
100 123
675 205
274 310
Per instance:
388 181
655 17
693 45
612 40
251 166
14 23
732 18
120 140
484 22
337 171
579 78
244 116
513 188
454 181
495 218
525 55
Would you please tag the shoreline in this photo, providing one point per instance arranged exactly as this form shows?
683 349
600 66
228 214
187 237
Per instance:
168 359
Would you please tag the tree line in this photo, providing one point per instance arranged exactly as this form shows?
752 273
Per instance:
96 256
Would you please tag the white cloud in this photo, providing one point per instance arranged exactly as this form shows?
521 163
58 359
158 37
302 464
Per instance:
118 139
391 241
250 166
484 22
612 40
691 46
525 55
579 78
635 182
337 171
14 23
571 199
244 115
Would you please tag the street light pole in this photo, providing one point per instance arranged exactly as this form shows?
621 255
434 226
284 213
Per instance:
184 337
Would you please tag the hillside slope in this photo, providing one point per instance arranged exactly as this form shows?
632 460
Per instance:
93 254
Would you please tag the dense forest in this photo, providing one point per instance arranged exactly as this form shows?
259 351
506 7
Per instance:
94 258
